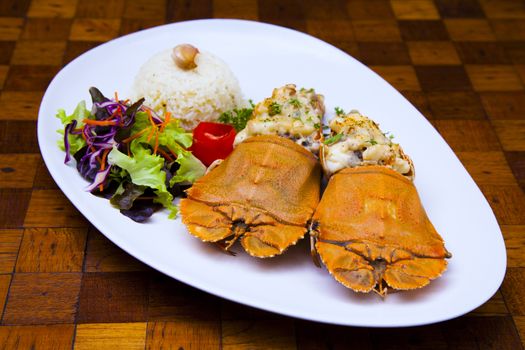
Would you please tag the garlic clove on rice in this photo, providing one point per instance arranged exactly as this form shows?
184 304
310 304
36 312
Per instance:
184 56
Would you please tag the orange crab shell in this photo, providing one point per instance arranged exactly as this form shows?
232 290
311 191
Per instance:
371 227
264 193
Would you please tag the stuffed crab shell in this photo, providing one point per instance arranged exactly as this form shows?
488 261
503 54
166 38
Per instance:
266 191
370 229
357 141
292 113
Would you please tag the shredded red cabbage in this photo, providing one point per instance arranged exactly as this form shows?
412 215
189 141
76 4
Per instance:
100 139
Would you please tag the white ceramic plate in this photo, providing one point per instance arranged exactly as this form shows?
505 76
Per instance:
263 57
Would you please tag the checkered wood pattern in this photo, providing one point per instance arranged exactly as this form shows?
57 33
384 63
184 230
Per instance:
63 285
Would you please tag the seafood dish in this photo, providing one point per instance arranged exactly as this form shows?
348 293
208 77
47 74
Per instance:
266 191
253 173
370 228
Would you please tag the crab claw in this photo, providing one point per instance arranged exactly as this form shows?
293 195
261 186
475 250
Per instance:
348 268
362 274
260 235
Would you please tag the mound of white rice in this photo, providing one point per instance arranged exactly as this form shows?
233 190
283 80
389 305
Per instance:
195 95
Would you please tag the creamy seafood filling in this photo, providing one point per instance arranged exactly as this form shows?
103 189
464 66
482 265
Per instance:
291 113
356 140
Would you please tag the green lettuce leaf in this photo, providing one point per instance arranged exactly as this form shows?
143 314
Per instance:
76 142
145 169
176 139
191 168
173 136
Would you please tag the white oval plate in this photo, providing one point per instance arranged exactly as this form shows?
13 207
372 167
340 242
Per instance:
263 57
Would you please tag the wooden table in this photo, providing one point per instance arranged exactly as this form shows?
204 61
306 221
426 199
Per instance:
64 285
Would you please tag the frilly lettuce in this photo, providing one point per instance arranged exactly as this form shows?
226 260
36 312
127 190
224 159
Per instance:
191 168
76 142
145 169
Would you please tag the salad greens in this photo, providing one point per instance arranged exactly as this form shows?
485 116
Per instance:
129 154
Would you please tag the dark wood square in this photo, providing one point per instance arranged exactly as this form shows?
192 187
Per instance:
6 50
459 8
482 53
516 162
443 78
423 30
29 77
383 53
113 297
102 255
13 206
14 8
180 10
171 300
18 137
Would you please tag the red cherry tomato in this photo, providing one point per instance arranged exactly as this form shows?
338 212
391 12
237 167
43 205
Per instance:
212 141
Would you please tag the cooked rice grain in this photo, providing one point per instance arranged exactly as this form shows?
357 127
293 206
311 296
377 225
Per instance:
195 95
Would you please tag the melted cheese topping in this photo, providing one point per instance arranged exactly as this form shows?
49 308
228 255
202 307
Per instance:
362 143
290 113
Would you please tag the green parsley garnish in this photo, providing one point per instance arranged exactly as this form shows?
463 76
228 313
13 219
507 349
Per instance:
333 139
317 126
372 142
295 102
274 108
339 111
237 117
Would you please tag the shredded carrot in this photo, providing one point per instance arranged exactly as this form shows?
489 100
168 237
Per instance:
103 161
166 121
156 146
134 136
151 134
100 122
103 166
150 117
116 96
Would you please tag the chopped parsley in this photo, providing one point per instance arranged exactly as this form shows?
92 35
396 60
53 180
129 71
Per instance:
372 142
339 111
274 108
295 102
333 139
317 126
237 117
